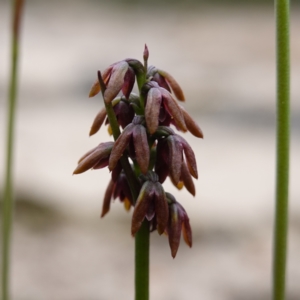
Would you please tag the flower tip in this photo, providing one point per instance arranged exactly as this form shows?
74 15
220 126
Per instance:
95 89
174 252
92 132
105 209
160 230
146 53
175 87
75 172
134 230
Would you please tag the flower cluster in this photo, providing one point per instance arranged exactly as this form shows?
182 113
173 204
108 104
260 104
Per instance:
147 147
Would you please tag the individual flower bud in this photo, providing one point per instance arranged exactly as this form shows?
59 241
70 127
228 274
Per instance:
118 188
136 133
152 110
105 77
162 160
175 157
146 53
175 87
187 180
129 80
191 125
95 159
98 121
107 198
173 109
178 221
166 81
151 202
157 97
124 113
119 76
152 73
122 189
188 153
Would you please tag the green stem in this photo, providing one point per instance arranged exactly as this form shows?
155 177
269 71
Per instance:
282 172
8 186
142 243
142 237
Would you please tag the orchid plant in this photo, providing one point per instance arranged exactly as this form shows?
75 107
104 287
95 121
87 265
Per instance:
148 150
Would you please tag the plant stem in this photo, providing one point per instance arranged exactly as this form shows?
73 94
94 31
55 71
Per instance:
142 243
8 186
282 172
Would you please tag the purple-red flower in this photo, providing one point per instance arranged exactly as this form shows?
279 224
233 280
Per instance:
123 111
96 158
178 221
118 76
136 134
118 188
151 203
176 158
167 81
157 97
147 150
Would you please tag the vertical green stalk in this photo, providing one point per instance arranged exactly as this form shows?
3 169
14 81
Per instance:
142 237
142 244
283 124
8 186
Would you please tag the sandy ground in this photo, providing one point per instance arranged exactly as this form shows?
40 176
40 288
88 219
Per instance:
224 60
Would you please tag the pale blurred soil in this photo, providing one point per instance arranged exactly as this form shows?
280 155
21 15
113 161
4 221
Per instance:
224 60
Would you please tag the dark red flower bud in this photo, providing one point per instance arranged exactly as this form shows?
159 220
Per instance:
129 80
98 121
162 160
142 151
107 198
191 125
95 158
120 146
189 155
119 76
118 188
146 53
173 109
122 189
124 113
153 75
158 97
175 157
178 221
165 80
96 86
151 201
161 81
176 89
116 81
137 133
152 110
141 207
187 180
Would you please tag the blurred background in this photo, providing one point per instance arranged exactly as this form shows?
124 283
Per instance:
223 56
